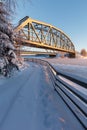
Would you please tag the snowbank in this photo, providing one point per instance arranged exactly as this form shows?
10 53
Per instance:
77 66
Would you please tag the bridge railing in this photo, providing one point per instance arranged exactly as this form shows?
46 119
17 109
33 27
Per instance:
72 91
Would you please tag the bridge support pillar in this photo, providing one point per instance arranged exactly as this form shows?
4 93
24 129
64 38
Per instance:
72 55
52 55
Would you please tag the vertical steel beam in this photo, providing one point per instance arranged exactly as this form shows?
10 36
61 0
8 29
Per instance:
28 31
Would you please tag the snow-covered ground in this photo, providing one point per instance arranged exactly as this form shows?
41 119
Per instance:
77 66
28 102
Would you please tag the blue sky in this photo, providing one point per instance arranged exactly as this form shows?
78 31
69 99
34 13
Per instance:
68 15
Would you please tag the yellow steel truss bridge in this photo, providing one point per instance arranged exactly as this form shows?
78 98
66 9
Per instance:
30 32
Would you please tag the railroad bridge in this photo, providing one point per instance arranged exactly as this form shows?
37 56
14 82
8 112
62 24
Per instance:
33 33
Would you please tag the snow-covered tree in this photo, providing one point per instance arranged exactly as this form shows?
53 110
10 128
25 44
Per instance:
7 49
6 33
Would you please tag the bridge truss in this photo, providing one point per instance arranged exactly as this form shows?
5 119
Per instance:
38 34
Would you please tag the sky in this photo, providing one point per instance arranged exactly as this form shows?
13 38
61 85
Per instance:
68 15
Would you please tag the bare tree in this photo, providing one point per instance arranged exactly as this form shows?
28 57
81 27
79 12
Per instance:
12 4
83 52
